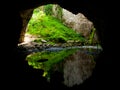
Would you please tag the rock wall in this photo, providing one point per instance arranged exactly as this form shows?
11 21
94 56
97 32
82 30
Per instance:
77 22
25 15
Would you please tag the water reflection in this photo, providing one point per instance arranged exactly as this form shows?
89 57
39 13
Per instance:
75 67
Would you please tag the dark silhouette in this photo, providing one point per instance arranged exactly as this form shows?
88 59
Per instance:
57 80
13 64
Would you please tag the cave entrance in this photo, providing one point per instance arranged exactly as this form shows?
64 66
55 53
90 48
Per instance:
56 40
54 24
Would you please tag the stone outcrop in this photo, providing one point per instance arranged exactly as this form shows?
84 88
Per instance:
57 11
78 22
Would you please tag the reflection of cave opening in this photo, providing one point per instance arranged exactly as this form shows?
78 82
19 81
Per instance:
55 30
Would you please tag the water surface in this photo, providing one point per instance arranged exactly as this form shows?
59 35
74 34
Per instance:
70 66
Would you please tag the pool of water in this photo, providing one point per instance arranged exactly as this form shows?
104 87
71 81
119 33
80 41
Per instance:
69 66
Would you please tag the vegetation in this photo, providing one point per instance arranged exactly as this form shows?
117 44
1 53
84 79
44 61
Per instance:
51 29
90 41
48 9
46 60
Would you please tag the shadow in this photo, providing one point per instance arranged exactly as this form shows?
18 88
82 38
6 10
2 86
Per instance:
56 80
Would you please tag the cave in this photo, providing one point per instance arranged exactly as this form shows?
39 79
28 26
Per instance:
13 63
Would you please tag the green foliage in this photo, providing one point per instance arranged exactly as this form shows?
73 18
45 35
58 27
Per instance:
52 57
48 9
92 36
51 29
60 13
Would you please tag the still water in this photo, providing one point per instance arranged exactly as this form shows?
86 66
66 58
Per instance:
74 64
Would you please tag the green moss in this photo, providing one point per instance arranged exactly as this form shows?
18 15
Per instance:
51 28
91 36
48 9
45 60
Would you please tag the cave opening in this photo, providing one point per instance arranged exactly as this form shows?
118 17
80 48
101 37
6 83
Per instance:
56 40
13 65
80 24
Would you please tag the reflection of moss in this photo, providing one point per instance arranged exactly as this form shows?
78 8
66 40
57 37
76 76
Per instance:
52 58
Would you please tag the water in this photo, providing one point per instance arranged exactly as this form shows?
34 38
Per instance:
74 64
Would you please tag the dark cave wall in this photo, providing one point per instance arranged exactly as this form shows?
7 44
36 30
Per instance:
12 25
25 16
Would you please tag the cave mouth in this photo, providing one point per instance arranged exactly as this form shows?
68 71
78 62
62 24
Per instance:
40 40
41 15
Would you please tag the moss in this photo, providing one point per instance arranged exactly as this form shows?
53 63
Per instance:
91 36
51 29
46 60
